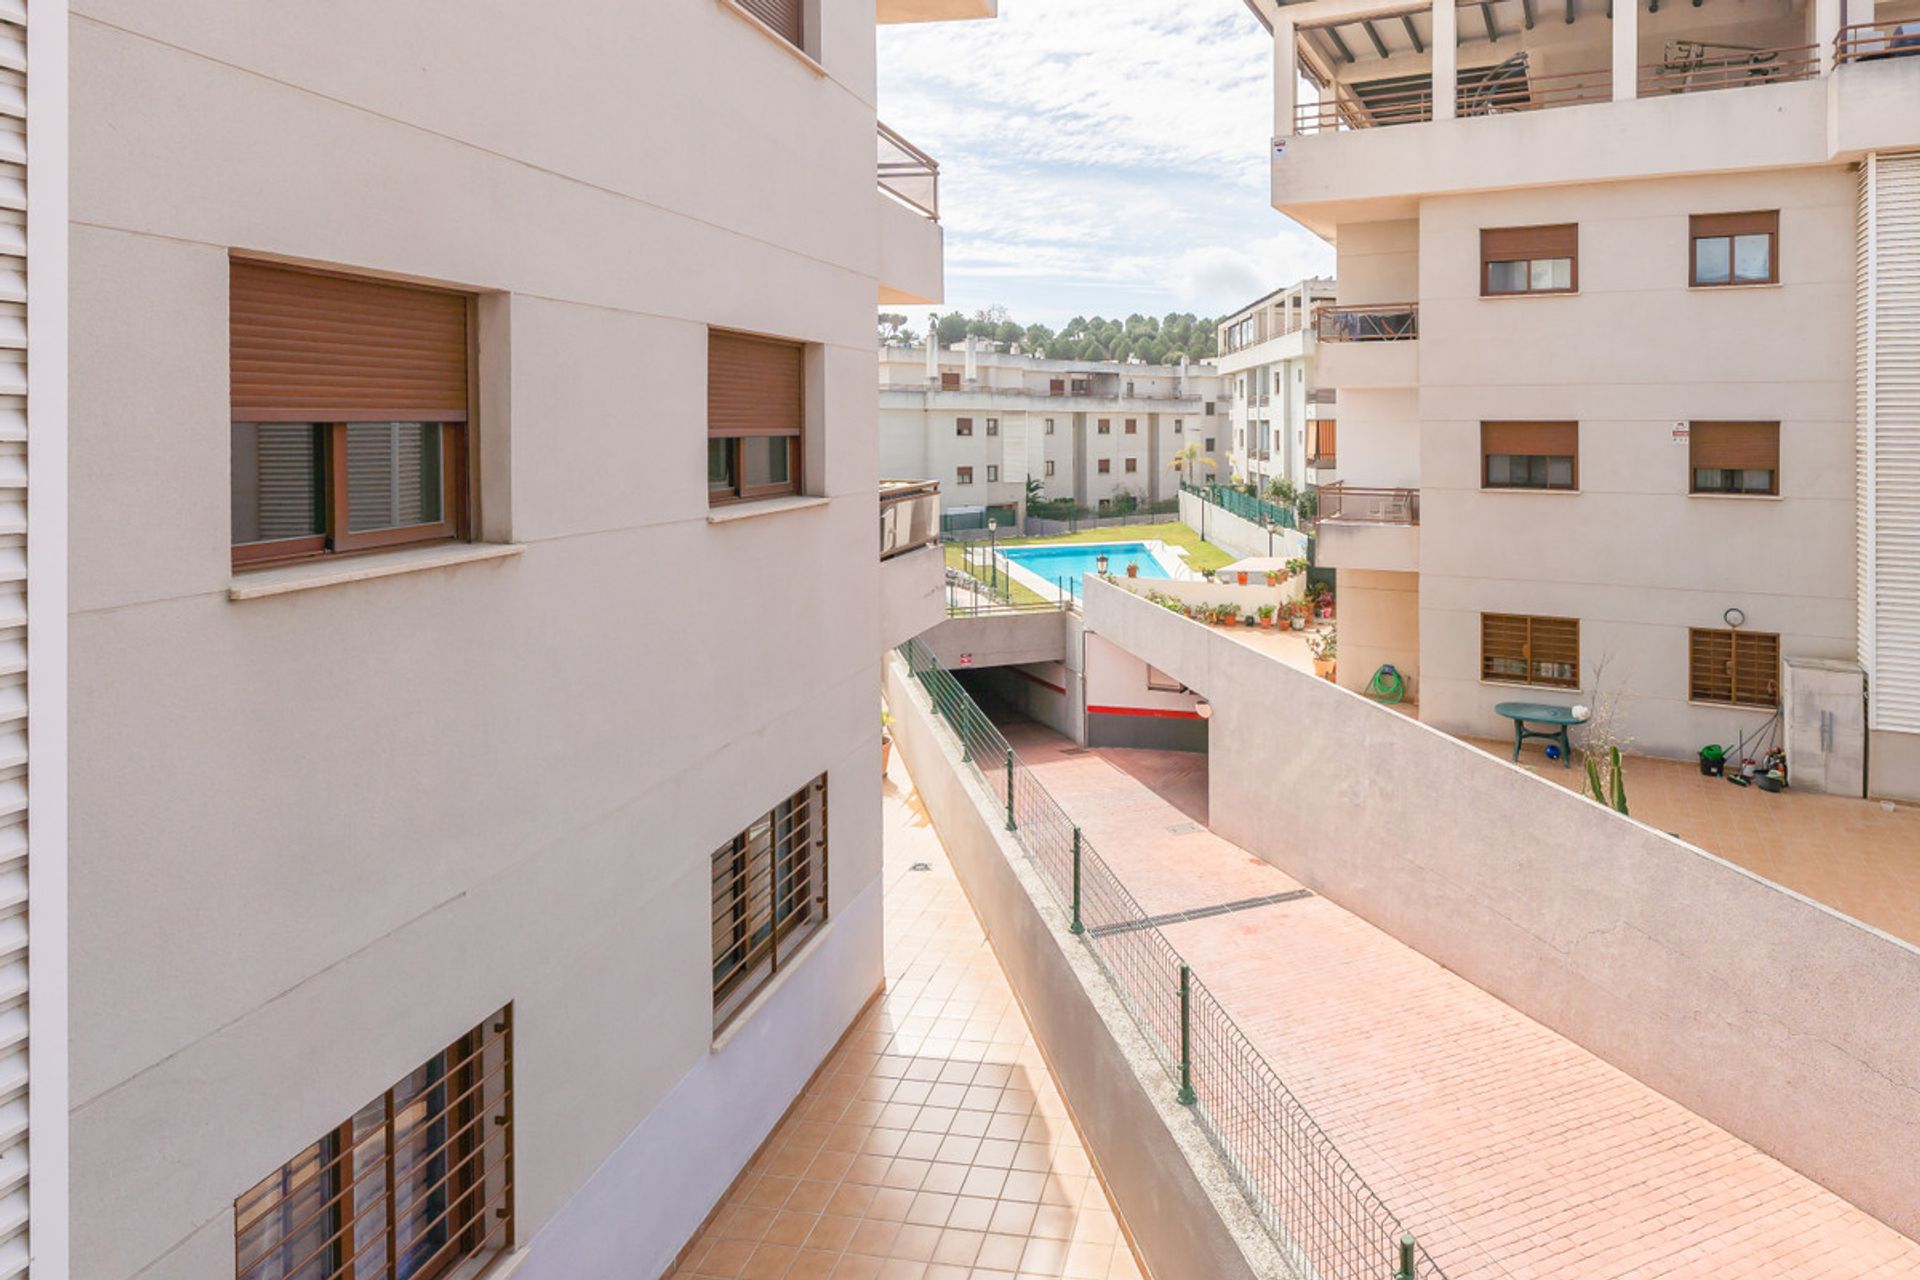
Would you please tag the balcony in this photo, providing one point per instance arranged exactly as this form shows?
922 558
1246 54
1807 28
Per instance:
1366 504
1364 347
912 266
1379 322
1368 527
912 566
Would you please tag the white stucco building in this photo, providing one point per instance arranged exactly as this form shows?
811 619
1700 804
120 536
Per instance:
982 422
1625 360
1282 419
455 873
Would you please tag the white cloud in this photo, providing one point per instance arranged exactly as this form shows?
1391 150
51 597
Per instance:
1099 153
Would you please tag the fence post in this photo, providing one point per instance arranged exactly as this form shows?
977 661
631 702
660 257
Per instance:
1185 1096
1010 825
964 729
1076 926
1406 1259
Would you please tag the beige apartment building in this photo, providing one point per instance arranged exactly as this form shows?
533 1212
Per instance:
1629 400
455 777
983 422
1283 421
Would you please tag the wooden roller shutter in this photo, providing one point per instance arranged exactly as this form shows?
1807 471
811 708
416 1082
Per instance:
1541 439
1735 224
781 15
949 381
310 347
1514 244
753 385
1735 446
1739 668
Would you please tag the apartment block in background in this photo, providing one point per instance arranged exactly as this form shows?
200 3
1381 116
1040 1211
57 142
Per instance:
983 423
1282 419
475 619
1628 381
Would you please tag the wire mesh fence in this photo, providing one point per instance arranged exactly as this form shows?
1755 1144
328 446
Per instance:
1319 1211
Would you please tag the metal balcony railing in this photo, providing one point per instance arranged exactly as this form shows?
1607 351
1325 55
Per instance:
1693 66
909 516
909 174
1874 41
1342 503
1380 322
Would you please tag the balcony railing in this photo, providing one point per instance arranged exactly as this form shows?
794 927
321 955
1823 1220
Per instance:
1873 41
909 174
1346 110
909 516
1342 503
1380 322
1692 66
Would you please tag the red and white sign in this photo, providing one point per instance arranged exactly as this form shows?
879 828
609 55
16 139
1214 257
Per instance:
966 659
1682 432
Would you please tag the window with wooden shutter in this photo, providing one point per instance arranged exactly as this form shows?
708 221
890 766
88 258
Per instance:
1133 426
1734 248
963 475
348 405
414 1184
1056 386
1530 455
1105 466
1322 441
769 895
1527 650
1737 668
755 410
1105 427
963 426
785 18
949 381
1733 457
1530 259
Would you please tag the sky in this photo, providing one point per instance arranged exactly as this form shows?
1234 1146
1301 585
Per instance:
1099 157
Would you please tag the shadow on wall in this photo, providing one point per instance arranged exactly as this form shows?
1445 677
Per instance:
1776 1017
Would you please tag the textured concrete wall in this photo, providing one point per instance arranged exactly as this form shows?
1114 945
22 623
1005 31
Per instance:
1789 1024
1179 1205
1237 536
999 640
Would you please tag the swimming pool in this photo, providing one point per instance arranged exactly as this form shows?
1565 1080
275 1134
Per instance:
1049 564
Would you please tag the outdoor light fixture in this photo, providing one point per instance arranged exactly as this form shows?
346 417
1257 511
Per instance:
1203 709
992 524
1101 565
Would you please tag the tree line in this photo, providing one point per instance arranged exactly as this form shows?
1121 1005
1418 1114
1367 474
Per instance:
1154 340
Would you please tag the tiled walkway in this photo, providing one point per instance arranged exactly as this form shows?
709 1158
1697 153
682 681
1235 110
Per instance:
1509 1150
1857 856
934 1145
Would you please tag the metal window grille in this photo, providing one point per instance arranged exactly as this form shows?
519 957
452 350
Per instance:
1739 668
1543 651
769 893
412 1185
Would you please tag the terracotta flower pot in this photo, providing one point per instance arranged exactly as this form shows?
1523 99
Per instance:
1133 571
1323 667
1243 579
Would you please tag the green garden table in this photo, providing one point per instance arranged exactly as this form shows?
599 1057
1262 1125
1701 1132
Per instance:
1559 718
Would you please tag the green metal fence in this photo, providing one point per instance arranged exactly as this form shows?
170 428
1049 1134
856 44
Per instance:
1319 1211
1258 510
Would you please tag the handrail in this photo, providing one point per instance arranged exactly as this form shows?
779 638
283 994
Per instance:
908 174
1343 503
1873 41
1533 93
1690 66
1375 322
1346 110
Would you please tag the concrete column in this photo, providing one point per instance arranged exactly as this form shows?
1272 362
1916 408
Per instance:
1286 78
1446 59
1826 25
973 369
933 351
1626 50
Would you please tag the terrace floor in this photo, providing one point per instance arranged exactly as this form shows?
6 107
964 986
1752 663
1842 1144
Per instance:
933 1144
1510 1151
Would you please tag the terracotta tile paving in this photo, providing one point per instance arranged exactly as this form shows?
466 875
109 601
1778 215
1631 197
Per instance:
934 1145
1857 856
1508 1149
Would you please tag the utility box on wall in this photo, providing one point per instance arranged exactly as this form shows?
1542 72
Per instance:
1825 700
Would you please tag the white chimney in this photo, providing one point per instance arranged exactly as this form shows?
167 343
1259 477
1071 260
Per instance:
933 350
973 371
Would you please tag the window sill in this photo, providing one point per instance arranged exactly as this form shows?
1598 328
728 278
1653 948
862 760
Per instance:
786 46
1535 688
1530 293
1738 497
333 571
761 998
1696 287
754 508
1515 488
1752 708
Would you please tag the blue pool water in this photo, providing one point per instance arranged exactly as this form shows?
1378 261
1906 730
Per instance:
1057 561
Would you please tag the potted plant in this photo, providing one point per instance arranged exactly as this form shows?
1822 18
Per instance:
1275 577
1207 574
1133 568
886 741
1325 649
1266 616
1298 617
1243 577
1296 565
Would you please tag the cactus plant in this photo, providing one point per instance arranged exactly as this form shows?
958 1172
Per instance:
1618 800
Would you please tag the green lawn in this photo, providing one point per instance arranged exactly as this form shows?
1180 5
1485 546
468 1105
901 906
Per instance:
1201 555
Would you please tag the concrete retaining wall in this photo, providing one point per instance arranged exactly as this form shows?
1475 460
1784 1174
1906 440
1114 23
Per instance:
1235 534
1180 1207
1789 1024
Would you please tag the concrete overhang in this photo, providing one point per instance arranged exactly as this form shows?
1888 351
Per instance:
935 10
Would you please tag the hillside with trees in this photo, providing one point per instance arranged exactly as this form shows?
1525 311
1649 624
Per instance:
1161 340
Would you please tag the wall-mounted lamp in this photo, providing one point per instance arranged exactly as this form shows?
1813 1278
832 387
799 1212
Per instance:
1101 565
1203 709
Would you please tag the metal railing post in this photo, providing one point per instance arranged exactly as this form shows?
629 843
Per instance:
1010 824
1076 926
963 729
1406 1259
1185 1096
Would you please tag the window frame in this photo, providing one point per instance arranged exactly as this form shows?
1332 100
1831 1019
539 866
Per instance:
962 475
1529 244
1526 653
993 473
760 963
1103 427
1133 465
1103 466
1729 227
1714 427
1133 426
1049 430
993 426
1491 429
963 426
1049 471
795 483
1733 637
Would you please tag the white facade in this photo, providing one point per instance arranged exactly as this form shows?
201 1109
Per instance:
1278 407
330 815
982 423
1628 130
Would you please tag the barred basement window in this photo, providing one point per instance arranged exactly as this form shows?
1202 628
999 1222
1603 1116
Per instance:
769 895
1738 668
1527 650
412 1185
